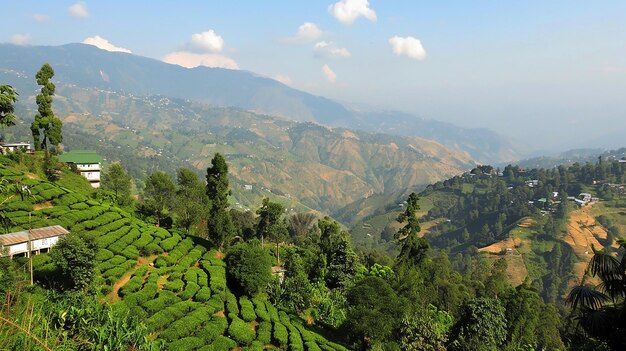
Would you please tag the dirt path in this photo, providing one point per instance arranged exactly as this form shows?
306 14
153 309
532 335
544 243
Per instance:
114 296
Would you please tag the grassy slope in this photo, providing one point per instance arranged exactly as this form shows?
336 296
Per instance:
182 295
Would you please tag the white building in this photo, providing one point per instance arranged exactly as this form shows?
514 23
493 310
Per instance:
11 147
41 240
87 162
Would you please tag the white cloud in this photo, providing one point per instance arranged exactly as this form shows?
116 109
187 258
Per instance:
190 60
329 74
20 39
308 32
408 46
40 18
283 79
79 9
208 41
104 44
329 49
347 11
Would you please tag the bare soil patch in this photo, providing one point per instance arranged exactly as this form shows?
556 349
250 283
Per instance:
43 205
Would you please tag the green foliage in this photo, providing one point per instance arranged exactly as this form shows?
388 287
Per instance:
117 180
413 225
8 98
373 310
75 257
159 192
280 335
270 224
264 333
240 331
220 226
482 326
247 309
191 199
250 268
425 330
46 127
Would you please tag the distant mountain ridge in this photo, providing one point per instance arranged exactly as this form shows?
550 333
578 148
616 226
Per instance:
89 67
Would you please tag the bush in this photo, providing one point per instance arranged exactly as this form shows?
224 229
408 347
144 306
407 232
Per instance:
103 255
241 332
133 285
215 303
185 326
312 346
250 267
231 304
260 309
166 298
281 336
151 249
175 285
223 343
204 294
247 309
217 279
265 332
255 346
169 243
213 328
190 290
188 343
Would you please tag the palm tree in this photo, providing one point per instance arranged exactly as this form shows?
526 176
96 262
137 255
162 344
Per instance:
600 310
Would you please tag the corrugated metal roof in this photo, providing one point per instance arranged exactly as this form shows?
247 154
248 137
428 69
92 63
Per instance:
80 156
37 233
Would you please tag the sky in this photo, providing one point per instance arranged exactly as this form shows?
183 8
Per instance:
549 73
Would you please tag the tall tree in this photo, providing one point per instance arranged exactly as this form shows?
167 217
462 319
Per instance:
482 326
412 226
191 200
159 193
270 224
219 223
75 256
118 181
8 97
46 128
300 223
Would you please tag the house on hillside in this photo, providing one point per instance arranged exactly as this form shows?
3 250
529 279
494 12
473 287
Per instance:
41 240
12 147
87 162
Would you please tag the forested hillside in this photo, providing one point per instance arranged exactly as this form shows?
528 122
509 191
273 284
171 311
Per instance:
337 166
531 217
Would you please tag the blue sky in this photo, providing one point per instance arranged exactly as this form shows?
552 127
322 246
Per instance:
551 70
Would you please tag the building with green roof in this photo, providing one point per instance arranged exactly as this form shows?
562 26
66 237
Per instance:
87 162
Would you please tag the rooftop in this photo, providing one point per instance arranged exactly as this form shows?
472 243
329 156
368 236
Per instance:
37 233
80 156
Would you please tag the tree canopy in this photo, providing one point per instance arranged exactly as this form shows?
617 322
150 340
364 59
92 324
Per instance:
46 128
8 97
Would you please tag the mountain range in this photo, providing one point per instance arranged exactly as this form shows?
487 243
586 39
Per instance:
86 66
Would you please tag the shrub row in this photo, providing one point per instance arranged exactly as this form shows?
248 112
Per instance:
260 309
113 262
264 333
190 290
104 219
142 296
168 315
247 309
133 285
240 331
186 325
111 237
204 294
281 336
231 303
169 243
174 285
217 279
165 298
188 343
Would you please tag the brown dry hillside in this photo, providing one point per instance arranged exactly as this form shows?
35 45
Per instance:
582 233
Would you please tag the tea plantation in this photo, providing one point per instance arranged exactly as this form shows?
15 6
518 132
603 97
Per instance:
175 284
